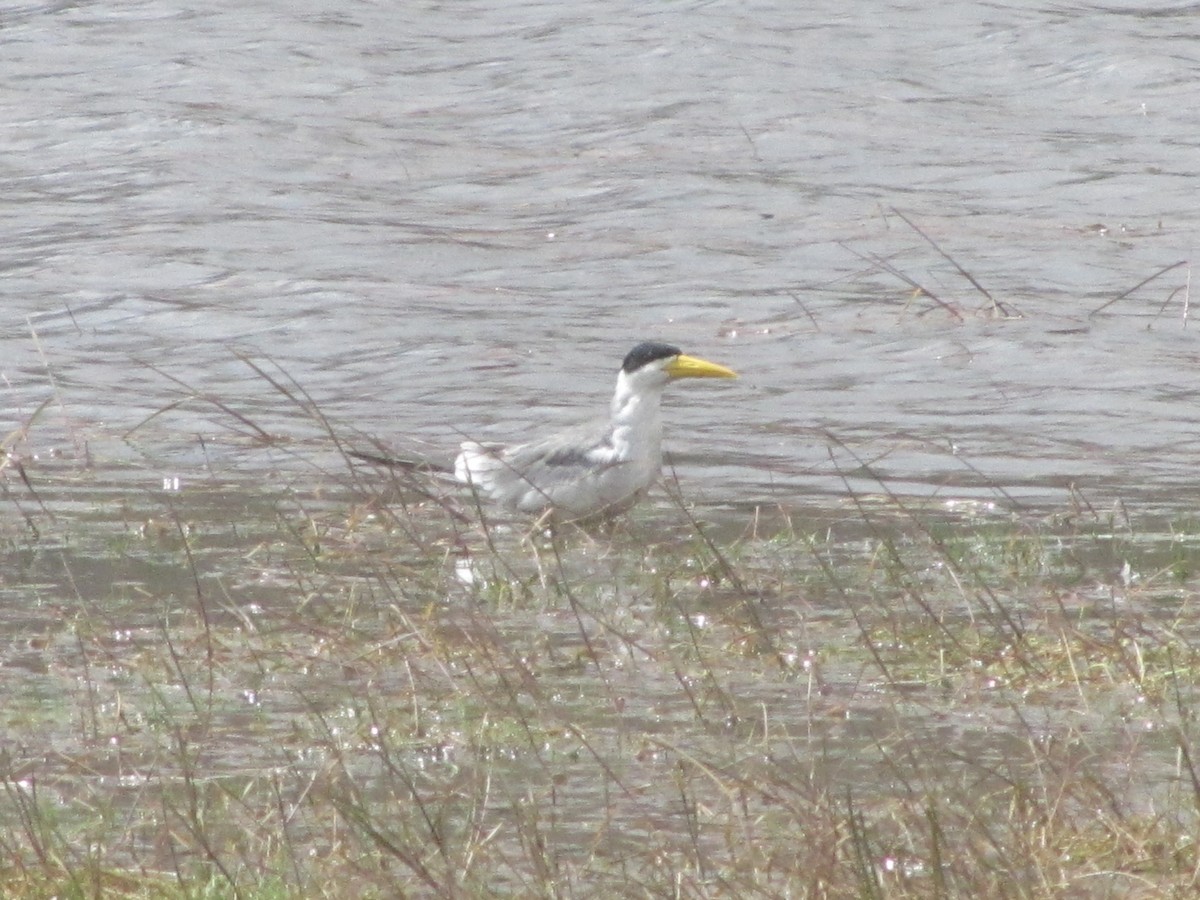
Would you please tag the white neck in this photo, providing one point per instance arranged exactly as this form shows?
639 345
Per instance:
637 418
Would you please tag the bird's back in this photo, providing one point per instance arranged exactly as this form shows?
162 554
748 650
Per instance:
578 473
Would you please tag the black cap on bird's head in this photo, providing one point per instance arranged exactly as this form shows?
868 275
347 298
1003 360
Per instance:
647 352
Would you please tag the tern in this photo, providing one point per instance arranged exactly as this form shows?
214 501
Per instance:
597 470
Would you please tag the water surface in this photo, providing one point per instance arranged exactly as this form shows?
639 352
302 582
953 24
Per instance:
454 219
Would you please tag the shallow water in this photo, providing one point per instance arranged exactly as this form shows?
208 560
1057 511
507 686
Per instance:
291 643
444 224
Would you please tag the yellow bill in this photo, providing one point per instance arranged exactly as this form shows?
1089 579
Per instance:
684 366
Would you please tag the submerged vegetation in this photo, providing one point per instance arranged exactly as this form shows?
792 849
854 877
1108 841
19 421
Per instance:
338 680
339 687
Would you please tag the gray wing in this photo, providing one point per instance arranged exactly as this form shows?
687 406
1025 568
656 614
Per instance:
565 456
577 472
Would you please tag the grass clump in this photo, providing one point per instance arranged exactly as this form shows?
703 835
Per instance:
332 690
